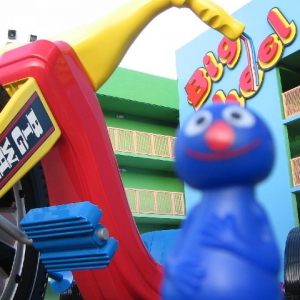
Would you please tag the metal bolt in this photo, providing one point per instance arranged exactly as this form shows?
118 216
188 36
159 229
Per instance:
18 278
103 234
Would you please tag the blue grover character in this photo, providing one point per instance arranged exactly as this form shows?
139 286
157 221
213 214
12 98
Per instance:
226 250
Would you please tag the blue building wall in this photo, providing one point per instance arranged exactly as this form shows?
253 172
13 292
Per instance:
275 192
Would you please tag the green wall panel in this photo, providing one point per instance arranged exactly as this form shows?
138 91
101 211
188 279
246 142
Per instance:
151 179
143 228
140 124
142 87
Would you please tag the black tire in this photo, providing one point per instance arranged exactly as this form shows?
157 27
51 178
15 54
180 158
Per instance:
71 293
31 282
292 264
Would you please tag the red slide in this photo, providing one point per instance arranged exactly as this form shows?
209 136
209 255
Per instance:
82 166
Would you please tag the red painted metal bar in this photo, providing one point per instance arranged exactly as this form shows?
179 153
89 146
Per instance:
81 166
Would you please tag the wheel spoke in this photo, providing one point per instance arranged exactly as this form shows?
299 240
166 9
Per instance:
22 276
11 252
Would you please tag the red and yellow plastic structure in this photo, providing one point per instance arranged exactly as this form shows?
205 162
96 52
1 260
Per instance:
55 81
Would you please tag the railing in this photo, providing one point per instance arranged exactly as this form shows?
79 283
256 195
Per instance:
155 202
295 165
139 142
291 102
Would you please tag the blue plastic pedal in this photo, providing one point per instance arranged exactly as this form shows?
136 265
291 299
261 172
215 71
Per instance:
60 281
69 237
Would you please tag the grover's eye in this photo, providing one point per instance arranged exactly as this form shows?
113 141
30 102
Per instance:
238 116
198 123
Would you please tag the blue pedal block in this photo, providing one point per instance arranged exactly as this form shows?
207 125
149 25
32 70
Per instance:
69 237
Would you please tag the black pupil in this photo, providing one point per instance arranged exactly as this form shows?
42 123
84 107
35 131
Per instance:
236 115
200 120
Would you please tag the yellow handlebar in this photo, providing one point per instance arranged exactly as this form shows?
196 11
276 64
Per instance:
216 17
101 45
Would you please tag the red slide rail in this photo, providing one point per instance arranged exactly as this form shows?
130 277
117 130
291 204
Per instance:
82 166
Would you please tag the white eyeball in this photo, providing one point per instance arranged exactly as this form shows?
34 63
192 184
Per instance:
198 123
238 116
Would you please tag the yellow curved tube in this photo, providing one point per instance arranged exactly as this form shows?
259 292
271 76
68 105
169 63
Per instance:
217 18
101 45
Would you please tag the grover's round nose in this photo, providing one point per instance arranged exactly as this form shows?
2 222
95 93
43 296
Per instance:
219 136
